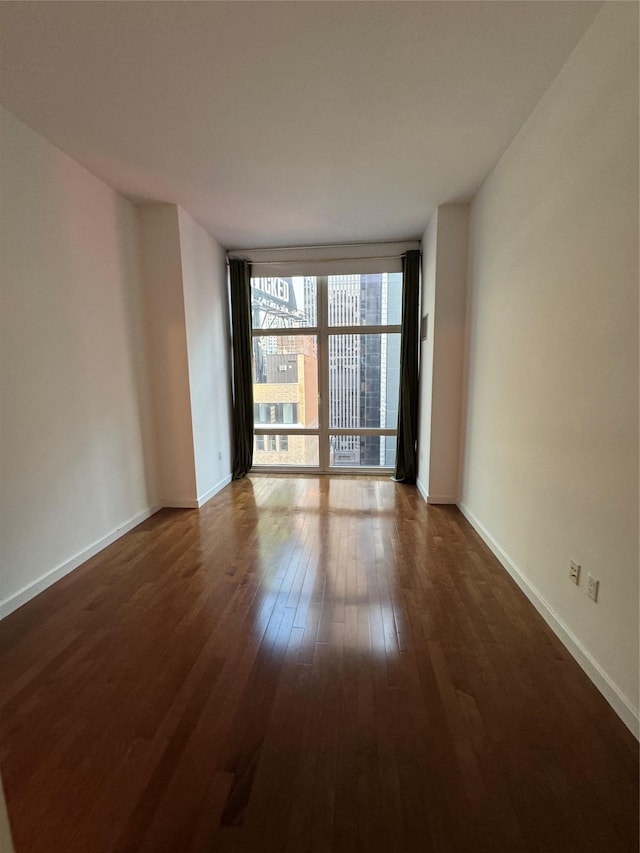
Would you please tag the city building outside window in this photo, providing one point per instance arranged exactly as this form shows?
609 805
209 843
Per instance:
354 355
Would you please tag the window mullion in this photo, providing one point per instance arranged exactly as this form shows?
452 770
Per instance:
322 291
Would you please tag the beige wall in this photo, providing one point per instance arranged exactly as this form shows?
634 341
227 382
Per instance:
427 309
168 358
189 353
442 353
114 364
551 450
76 440
204 281
448 352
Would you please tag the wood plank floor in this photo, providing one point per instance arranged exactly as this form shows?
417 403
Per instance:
305 664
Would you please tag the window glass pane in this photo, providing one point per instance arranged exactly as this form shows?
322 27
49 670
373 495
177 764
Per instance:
285 380
283 303
364 376
275 413
370 451
365 300
363 368
298 450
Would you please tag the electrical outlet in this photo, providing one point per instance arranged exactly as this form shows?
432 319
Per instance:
574 572
220 456
592 587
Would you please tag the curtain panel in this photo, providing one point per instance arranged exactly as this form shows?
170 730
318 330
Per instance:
240 287
406 453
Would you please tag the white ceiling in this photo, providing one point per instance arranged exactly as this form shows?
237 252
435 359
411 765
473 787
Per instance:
293 123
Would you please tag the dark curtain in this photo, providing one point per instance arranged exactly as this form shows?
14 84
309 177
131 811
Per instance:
240 285
406 461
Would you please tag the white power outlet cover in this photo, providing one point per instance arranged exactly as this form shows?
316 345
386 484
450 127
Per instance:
592 587
574 572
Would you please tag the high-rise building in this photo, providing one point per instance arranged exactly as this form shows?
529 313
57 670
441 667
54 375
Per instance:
363 368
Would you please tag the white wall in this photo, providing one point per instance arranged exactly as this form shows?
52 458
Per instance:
189 353
429 245
551 451
167 340
114 381
444 284
204 278
76 444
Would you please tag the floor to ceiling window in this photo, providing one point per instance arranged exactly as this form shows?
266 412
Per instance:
326 353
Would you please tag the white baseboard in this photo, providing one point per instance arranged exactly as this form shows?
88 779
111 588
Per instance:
615 697
214 490
180 503
435 499
8 605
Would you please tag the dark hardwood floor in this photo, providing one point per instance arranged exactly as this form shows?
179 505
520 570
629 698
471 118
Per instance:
305 664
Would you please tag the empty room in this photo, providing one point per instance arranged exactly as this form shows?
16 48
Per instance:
319 426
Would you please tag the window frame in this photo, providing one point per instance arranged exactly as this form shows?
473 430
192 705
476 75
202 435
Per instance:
323 331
